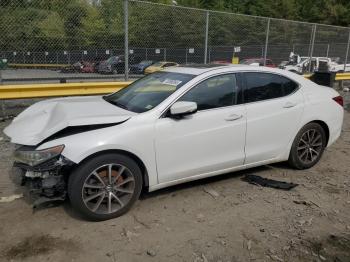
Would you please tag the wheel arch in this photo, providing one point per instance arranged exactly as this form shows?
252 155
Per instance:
134 157
324 126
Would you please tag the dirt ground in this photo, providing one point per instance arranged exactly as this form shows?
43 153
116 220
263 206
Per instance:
217 219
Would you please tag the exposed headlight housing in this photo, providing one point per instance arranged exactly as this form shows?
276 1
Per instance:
36 157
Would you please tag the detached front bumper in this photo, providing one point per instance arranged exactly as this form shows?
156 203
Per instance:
46 181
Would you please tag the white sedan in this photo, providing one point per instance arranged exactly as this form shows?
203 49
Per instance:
170 127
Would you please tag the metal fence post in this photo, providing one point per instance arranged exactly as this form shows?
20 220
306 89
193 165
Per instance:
327 50
164 54
267 39
206 36
347 52
312 45
126 39
209 54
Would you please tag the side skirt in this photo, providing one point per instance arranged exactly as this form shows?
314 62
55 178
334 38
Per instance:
210 174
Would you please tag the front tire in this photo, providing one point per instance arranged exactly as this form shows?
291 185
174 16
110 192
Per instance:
308 146
105 186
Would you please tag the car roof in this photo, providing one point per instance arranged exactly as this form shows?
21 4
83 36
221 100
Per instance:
233 68
202 68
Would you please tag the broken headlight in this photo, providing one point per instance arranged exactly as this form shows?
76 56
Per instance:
35 157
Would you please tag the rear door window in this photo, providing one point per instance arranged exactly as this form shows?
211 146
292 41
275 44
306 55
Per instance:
264 86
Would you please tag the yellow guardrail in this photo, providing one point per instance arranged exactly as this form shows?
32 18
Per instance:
37 65
342 76
50 90
73 89
338 77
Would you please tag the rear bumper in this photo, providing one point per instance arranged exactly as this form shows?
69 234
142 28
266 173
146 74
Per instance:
335 127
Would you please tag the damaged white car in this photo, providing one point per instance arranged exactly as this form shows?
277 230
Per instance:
173 126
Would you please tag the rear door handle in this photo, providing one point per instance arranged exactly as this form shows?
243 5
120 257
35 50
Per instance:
233 117
289 104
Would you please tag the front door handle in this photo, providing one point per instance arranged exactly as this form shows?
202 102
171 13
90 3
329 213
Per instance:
233 117
289 104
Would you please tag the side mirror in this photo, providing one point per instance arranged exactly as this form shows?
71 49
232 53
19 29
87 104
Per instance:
182 108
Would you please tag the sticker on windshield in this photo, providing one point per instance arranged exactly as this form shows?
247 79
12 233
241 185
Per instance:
149 107
172 82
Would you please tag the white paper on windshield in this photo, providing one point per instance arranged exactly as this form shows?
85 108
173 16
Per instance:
171 82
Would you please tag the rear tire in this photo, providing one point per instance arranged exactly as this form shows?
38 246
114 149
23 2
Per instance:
105 186
308 146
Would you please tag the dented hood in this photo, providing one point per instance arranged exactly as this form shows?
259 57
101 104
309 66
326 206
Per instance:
46 118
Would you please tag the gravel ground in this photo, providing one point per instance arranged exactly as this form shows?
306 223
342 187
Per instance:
216 219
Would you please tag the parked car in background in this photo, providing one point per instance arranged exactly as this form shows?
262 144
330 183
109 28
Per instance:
140 67
159 66
116 64
88 67
283 64
257 62
173 126
301 64
80 67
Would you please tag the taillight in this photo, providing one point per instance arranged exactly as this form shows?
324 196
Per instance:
339 100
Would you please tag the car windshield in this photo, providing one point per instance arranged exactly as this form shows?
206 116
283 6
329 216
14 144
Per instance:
159 63
145 62
148 92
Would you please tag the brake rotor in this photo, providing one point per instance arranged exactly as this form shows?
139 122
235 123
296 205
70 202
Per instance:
104 175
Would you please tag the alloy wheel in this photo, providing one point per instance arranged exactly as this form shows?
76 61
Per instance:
310 146
108 188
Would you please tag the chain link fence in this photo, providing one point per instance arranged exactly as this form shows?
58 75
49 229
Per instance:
75 40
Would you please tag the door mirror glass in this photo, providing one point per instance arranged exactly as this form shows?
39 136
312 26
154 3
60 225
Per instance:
183 108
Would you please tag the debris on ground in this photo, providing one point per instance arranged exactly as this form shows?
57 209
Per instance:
204 258
10 198
128 234
211 192
200 258
306 203
151 253
276 258
265 182
141 222
249 244
200 217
